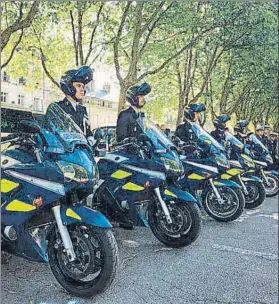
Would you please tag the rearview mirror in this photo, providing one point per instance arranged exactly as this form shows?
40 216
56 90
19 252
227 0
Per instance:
29 126
98 134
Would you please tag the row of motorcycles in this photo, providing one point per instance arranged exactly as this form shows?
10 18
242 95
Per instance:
57 202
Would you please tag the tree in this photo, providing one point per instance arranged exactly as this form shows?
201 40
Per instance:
18 16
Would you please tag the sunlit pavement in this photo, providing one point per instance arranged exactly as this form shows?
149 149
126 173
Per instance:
229 263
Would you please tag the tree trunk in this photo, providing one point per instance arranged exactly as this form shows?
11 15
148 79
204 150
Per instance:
180 110
122 97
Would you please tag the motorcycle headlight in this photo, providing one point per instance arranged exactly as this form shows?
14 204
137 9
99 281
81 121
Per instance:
73 172
222 161
172 165
269 159
248 161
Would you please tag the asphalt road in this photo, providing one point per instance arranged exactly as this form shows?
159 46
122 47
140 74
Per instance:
229 263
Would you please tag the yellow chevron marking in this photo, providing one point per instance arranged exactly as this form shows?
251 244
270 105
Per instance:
167 192
196 176
245 179
226 176
16 205
132 187
7 185
234 171
71 213
120 174
218 183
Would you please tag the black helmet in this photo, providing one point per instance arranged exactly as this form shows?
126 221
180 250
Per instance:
240 125
84 75
195 107
135 91
220 121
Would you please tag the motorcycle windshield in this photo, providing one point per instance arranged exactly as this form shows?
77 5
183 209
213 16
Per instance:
233 140
162 142
258 144
206 140
61 124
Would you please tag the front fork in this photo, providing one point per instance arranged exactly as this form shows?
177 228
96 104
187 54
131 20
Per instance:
265 178
215 190
163 205
242 185
66 239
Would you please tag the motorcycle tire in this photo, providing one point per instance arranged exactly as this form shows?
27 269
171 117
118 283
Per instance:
96 256
226 216
259 194
275 185
185 228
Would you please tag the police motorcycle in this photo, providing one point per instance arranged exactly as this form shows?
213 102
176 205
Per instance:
222 199
240 163
242 168
137 187
47 174
263 161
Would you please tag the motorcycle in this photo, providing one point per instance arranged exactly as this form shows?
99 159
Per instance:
241 172
263 161
222 199
135 187
47 173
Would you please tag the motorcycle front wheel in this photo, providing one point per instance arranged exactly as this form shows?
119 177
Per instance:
96 261
272 188
229 209
185 227
256 194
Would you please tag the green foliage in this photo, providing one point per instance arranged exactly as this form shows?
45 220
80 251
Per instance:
242 82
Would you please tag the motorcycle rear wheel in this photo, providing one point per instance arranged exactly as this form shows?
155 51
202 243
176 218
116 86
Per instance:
95 266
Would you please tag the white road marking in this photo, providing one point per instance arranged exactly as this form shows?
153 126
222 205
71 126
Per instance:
265 255
273 216
252 211
129 243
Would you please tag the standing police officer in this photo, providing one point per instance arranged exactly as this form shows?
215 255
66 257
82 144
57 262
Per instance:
72 84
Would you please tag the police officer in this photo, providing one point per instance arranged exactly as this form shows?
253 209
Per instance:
265 138
220 127
128 120
191 114
241 129
259 133
274 149
72 84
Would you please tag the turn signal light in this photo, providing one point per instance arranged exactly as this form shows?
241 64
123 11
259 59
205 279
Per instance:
147 185
38 201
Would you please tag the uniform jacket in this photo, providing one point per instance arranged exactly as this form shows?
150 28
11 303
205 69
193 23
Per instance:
127 125
79 116
185 133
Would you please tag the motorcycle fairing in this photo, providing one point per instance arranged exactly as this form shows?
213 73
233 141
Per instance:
170 193
82 214
272 172
227 183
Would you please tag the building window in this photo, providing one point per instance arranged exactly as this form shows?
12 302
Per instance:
20 99
37 104
5 76
4 97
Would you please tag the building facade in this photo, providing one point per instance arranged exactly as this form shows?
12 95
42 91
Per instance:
102 110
